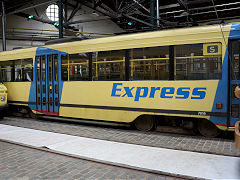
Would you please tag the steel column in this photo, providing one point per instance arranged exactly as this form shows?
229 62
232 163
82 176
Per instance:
3 28
152 11
157 13
60 10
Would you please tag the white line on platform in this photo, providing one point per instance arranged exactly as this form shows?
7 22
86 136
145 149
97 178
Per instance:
200 165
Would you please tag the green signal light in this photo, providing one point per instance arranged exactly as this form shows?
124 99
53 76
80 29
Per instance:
130 23
56 24
30 16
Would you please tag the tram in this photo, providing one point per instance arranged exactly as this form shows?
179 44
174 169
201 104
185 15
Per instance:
3 99
178 77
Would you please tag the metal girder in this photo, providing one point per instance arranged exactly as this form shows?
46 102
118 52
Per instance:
163 22
169 6
74 11
152 11
24 15
3 28
88 20
120 5
65 11
142 6
60 21
183 4
36 12
99 9
104 6
130 7
97 3
198 1
30 7
136 19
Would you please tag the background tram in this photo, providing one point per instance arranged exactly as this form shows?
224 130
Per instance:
179 77
3 99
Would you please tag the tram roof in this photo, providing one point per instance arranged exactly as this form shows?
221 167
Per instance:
137 40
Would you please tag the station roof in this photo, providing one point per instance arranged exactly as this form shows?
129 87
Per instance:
135 15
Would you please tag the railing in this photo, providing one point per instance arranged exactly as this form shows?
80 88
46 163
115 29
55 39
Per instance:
237 135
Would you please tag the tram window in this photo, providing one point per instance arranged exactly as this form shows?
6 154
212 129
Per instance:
64 67
27 70
150 63
235 60
50 68
75 67
192 64
38 68
7 71
43 69
55 67
109 65
17 70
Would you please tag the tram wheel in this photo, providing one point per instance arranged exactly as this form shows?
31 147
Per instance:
33 115
207 128
144 123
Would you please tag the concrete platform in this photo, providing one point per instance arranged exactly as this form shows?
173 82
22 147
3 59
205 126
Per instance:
175 162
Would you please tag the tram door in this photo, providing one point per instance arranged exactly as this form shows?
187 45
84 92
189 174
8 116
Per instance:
47 84
235 81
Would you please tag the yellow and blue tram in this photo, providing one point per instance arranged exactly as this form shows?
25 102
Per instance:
180 77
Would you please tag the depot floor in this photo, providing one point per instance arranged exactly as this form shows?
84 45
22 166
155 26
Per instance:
25 163
127 135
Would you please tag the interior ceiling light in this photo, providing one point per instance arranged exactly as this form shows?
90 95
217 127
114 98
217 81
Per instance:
95 14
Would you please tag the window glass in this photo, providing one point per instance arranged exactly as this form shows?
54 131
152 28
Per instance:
235 60
75 67
55 61
64 67
17 70
109 65
27 70
52 12
150 63
192 64
43 67
7 71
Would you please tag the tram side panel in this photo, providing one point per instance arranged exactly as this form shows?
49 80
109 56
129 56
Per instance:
124 101
18 92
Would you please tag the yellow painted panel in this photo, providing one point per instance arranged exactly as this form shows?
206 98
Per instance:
18 54
99 114
111 115
202 34
223 128
99 93
3 90
18 91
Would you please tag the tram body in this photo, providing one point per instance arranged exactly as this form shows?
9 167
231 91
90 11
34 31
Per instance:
187 73
3 100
